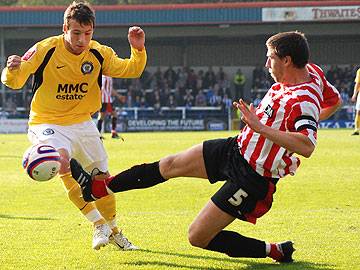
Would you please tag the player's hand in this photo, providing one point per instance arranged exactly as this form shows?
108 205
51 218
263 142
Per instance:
248 115
13 62
136 37
353 98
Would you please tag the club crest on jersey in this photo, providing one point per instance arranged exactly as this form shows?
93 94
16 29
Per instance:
48 131
268 111
87 67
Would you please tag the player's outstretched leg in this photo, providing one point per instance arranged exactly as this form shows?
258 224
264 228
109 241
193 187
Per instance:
84 179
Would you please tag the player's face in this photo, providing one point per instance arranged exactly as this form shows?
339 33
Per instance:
77 36
275 65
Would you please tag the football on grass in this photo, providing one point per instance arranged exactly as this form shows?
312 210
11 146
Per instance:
41 162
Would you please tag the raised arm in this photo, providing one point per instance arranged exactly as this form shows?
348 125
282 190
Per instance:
293 141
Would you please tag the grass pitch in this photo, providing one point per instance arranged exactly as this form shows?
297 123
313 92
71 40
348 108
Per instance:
319 209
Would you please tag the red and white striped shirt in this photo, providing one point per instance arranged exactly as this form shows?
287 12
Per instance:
294 108
106 89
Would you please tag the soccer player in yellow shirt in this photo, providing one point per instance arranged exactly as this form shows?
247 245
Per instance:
356 98
67 72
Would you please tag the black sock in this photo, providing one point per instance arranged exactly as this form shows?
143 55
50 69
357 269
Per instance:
113 123
236 245
137 177
99 124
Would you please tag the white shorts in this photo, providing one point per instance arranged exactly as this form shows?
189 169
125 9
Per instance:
357 106
82 141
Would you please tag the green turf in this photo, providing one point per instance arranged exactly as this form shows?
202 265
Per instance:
319 209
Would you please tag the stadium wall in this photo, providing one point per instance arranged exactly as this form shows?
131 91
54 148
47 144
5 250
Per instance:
230 35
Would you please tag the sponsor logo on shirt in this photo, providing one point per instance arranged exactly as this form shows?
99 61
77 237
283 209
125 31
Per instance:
70 91
268 111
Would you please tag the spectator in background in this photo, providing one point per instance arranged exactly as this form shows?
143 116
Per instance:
215 100
226 103
200 80
157 104
188 99
145 79
257 100
192 81
239 83
170 77
200 99
172 104
158 78
181 76
209 78
164 95
221 76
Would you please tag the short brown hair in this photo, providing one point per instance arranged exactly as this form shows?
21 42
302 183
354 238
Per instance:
81 12
293 44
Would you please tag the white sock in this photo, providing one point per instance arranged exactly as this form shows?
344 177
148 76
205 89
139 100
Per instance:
267 248
94 216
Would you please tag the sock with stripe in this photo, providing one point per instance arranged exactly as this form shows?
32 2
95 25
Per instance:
137 177
236 245
274 251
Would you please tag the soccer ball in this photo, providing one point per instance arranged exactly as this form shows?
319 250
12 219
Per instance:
41 162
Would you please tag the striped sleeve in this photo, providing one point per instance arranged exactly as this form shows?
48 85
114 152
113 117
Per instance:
331 95
305 115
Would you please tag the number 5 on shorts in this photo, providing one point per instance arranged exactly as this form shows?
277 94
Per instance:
238 197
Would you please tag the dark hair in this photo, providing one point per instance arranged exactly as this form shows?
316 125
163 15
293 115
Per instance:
293 44
81 12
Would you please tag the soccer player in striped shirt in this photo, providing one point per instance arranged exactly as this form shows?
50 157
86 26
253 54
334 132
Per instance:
285 123
107 91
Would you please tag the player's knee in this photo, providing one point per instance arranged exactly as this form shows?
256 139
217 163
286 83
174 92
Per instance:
64 161
166 166
196 238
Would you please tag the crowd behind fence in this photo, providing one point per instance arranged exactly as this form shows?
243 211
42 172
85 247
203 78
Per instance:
170 87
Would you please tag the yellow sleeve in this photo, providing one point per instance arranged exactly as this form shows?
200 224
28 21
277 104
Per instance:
357 78
117 67
16 78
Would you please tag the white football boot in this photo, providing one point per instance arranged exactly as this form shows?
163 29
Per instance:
120 241
101 236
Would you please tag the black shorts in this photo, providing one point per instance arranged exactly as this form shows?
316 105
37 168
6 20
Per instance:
246 194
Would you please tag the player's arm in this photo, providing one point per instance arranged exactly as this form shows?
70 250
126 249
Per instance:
132 67
18 69
136 37
293 141
326 112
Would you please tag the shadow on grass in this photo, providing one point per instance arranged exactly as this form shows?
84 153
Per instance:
25 218
246 263
168 265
